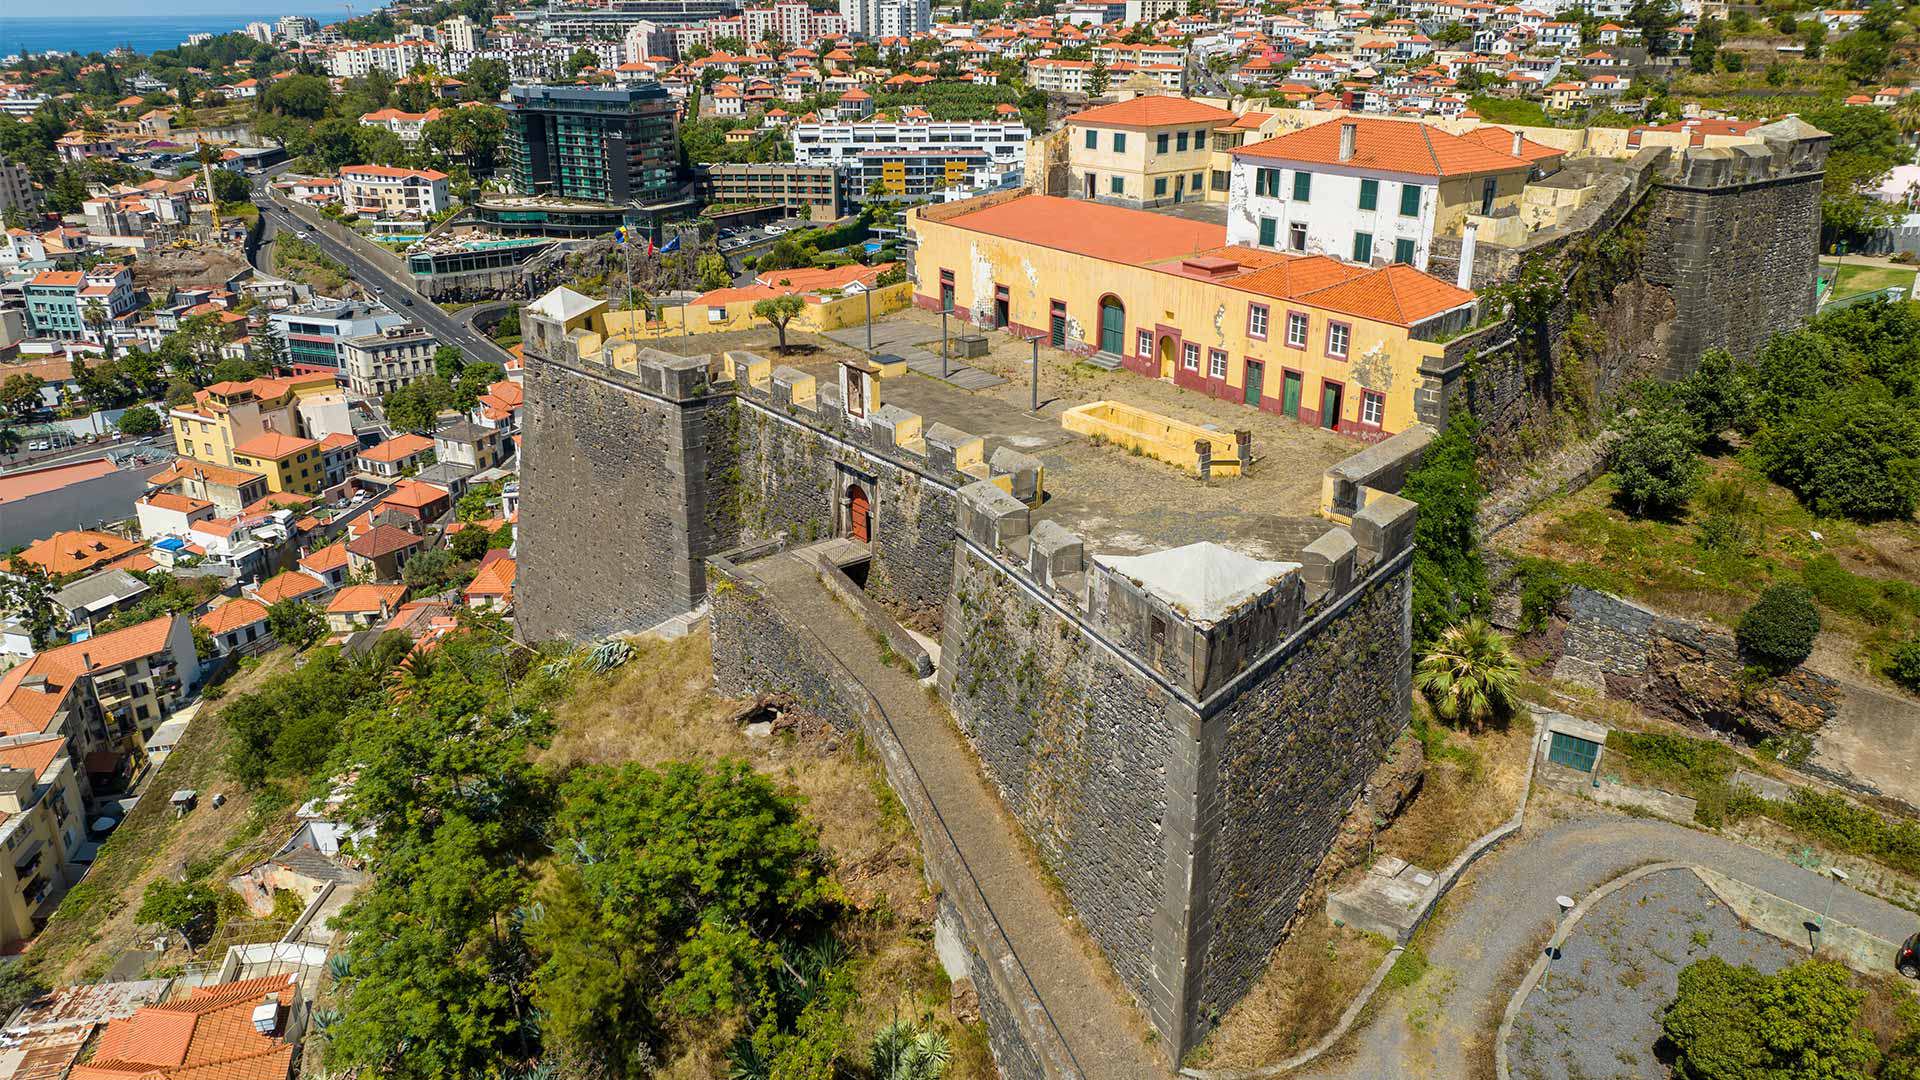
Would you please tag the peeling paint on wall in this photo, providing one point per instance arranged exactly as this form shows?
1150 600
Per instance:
1373 370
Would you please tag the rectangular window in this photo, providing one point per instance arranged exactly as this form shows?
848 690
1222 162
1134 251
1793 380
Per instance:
1180 142
1266 182
1302 184
1117 185
1220 180
1362 247
1093 139
1409 200
1369 194
1143 343
1199 181
1573 752
1190 356
1488 189
1217 363
1338 337
1267 226
1119 142
1257 321
1403 251
1159 185
1297 236
1373 407
1160 143
1296 330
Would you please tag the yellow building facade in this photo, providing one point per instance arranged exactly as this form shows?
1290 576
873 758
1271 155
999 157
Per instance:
290 464
1325 342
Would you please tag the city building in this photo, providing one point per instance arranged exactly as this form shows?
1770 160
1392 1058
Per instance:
392 192
1369 190
407 126
472 446
246 1030
818 191
1143 152
1323 341
42 825
290 463
360 607
238 626
101 693
887 18
60 302
314 332
598 144
163 513
612 20
230 490
221 417
17 192
382 552
75 551
393 458
376 364
914 155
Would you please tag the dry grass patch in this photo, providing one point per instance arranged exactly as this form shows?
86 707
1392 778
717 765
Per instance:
1473 783
1310 980
661 707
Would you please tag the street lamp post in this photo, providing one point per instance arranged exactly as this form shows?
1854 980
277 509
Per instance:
1838 875
1565 904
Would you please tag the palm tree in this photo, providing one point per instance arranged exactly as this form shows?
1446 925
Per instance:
903 1052
1470 674
96 318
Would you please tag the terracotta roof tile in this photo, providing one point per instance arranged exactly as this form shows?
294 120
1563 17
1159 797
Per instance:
1152 111
1399 146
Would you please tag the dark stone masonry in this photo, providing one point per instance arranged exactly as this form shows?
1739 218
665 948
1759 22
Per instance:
1180 734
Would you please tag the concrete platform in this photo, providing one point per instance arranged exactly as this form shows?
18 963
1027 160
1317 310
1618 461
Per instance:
1387 901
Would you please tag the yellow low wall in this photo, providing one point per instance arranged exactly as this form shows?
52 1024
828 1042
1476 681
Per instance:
816 318
1156 436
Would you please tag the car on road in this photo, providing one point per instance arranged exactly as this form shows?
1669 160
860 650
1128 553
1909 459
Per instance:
302 236
40 444
1907 961
407 300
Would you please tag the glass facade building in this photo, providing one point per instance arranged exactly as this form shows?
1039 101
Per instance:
602 144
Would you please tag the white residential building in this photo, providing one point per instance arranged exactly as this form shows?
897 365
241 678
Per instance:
460 34
877 150
404 124
260 31
887 18
393 192
396 58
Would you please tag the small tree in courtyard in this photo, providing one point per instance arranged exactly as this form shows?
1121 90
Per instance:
1657 463
1469 675
780 310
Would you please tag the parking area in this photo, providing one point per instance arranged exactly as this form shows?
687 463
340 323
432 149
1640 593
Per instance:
1597 1013
731 240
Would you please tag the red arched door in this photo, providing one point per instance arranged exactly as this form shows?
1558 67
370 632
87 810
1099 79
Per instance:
857 513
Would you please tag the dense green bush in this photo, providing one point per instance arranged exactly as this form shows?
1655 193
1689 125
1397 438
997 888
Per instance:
1449 576
1903 666
1735 1023
1657 463
1777 632
1854 454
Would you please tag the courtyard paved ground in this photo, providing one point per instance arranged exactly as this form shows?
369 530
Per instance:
1598 1013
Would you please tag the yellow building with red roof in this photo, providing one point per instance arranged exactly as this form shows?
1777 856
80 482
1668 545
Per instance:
1325 341
291 464
1143 152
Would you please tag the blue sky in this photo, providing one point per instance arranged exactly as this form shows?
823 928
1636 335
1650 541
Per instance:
269 11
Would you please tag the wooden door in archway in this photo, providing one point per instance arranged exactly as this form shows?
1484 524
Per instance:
859 513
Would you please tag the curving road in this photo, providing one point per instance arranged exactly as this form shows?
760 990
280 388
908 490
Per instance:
1444 1026
396 292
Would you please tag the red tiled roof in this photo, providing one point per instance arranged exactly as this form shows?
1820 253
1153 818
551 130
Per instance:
397 448
274 445
357 598
1501 139
1095 229
233 615
382 540
291 585
20 485
1400 146
206 1035
495 577
331 557
1152 111
75 550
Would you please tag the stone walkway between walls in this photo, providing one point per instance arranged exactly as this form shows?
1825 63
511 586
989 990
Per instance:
1103 1029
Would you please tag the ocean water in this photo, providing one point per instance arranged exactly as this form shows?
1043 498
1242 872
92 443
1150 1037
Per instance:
144 33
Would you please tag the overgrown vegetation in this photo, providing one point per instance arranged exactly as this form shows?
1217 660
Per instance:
1806 1020
1449 576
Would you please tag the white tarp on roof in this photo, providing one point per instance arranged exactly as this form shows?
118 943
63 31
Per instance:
1205 580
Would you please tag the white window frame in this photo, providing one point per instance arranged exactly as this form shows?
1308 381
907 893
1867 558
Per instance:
1373 407
1143 343
1296 320
1217 363
1257 318
1344 334
1190 355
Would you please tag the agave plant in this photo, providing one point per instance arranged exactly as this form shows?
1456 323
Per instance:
904 1052
609 655
1469 676
339 965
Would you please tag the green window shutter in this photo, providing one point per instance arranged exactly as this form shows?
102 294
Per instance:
1403 251
1093 139
1369 194
1410 200
1160 143
1160 185
1362 247
1267 231
1119 185
1302 184
1119 142
1573 752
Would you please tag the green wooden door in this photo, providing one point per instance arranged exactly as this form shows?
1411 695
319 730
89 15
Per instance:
1329 405
1290 394
1113 328
1256 374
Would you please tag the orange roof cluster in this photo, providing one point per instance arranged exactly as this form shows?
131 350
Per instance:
495 577
398 448
273 446
73 551
1154 111
207 1034
1397 146
290 585
233 615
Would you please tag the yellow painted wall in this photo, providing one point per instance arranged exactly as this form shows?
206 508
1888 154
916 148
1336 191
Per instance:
816 318
1461 197
1381 357
284 474
1139 164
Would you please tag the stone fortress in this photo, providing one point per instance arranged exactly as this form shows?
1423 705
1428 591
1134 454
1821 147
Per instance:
1179 713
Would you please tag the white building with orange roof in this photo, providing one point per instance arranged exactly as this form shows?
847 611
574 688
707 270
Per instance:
1367 190
406 125
101 693
393 192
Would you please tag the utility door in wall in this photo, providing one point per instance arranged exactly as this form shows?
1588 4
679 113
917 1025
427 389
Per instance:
1290 394
1256 375
859 513
1329 405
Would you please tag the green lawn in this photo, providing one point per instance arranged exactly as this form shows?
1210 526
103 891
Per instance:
1862 277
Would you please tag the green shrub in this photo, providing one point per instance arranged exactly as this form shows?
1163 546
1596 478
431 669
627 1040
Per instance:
1657 463
1727 508
1777 632
1866 468
1449 576
1543 588
1903 666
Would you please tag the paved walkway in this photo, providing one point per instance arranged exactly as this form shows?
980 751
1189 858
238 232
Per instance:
904 338
1445 1025
1102 1030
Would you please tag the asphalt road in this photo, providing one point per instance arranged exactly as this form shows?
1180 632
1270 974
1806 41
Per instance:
393 291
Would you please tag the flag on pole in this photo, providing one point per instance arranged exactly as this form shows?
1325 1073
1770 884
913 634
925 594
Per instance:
620 235
650 247
671 246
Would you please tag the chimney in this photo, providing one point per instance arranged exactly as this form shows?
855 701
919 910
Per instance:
1465 280
1348 130
1517 140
